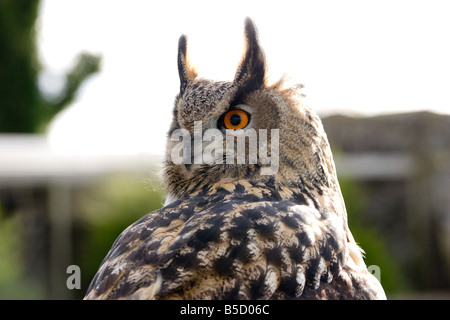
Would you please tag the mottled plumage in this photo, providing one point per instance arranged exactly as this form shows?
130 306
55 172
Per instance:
227 231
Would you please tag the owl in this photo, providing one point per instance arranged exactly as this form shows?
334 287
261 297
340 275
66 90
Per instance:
254 209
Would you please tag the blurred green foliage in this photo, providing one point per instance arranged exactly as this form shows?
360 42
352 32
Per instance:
370 239
23 108
13 283
101 212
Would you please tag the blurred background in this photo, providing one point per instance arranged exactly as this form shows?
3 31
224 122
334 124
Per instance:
86 92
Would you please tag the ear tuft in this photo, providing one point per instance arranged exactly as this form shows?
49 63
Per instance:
251 71
185 71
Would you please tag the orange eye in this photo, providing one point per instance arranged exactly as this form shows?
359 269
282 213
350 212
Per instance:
235 119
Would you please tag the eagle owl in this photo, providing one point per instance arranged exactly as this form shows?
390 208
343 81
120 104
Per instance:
263 218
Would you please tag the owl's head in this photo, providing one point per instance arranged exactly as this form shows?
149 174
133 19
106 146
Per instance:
243 129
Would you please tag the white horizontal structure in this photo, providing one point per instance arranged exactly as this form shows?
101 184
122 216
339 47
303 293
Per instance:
375 166
29 160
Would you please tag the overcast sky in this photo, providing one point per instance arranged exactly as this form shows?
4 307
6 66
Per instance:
356 57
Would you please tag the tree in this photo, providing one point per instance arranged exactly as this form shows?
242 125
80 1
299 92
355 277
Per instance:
23 109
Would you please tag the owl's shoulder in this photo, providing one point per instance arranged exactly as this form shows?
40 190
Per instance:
231 232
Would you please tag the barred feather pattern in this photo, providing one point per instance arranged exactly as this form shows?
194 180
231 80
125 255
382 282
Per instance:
217 244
